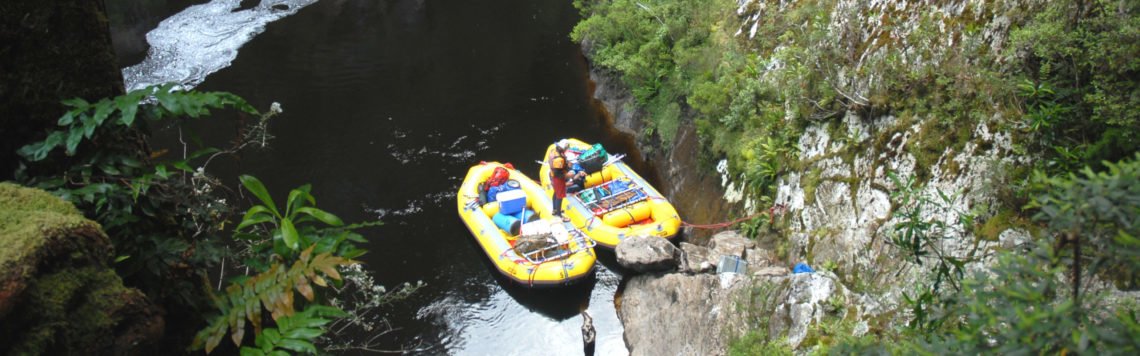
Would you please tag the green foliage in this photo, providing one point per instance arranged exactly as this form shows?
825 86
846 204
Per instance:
293 228
1079 60
756 343
1021 305
86 121
159 214
292 253
272 290
918 234
1029 303
1100 210
680 60
294 333
1018 308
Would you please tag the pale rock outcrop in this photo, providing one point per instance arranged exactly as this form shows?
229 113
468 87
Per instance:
801 301
677 314
695 259
646 254
682 314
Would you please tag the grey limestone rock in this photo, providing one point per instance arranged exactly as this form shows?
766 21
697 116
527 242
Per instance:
646 254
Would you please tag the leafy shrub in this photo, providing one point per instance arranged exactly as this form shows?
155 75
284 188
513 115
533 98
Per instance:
160 215
1079 60
293 248
1095 214
1031 300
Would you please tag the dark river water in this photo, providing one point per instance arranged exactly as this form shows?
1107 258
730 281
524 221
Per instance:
386 105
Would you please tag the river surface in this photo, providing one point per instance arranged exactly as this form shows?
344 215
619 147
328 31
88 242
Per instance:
387 103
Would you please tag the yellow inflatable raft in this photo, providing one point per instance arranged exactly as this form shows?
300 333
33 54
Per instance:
616 202
544 251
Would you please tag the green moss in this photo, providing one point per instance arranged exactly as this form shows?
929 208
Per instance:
826 333
72 309
809 182
1003 220
755 342
29 218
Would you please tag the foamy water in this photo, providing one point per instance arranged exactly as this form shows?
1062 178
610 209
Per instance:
203 39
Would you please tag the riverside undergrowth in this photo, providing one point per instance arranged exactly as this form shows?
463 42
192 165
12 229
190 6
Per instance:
167 219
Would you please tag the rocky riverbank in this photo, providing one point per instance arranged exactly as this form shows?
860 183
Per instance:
687 305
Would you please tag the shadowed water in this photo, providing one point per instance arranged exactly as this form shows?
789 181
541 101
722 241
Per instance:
387 103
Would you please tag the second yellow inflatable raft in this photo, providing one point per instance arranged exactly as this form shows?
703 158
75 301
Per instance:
631 208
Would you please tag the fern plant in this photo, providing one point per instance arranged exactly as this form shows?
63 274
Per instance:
273 291
293 248
294 333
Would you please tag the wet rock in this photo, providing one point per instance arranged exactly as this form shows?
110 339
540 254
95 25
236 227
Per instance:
57 293
588 334
695 259
646 254
678 314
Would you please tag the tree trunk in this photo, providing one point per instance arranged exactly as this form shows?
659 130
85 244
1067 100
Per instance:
49 51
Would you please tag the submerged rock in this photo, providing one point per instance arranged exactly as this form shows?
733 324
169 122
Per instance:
646 254
57 293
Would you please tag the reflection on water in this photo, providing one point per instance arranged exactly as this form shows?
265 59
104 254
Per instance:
387 104
512 320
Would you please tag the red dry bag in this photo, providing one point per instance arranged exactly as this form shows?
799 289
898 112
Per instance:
498 177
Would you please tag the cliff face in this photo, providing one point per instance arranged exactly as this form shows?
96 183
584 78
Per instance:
695 190
863 161
859 176
57 293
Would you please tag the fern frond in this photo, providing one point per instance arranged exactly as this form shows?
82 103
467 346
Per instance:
271 290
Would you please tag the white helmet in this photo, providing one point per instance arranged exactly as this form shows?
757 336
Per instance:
562 144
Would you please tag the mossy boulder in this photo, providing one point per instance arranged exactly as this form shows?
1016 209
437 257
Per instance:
57 293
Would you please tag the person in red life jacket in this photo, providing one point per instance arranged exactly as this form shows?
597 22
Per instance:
559 173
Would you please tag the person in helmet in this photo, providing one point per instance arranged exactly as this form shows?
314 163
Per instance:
559 173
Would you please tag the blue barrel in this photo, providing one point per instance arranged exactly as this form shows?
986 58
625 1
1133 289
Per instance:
507 223
526 215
